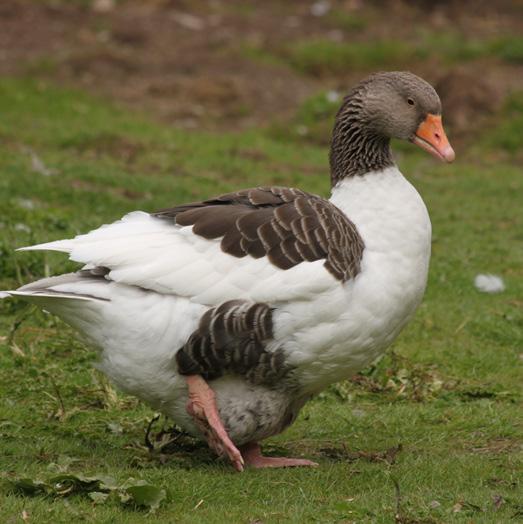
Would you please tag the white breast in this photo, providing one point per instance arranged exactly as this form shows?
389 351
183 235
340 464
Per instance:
344 329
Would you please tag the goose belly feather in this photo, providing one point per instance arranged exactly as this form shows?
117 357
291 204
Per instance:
137 333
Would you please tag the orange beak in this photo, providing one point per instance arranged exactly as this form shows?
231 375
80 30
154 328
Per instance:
431 137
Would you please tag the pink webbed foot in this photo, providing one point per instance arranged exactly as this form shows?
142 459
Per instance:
252 456
202 407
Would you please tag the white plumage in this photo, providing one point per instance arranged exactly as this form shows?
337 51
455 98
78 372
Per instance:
164 278
147 252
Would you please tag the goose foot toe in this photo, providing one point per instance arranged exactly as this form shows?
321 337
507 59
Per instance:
252 456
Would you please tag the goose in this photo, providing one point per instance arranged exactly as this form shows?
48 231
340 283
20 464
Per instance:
229 314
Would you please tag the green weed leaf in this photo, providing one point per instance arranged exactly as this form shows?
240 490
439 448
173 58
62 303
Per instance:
26 486
146 495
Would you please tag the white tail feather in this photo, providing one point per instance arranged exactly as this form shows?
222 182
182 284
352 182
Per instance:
65 246
42 294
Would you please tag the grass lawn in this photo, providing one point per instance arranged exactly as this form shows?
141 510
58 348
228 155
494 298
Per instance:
432 433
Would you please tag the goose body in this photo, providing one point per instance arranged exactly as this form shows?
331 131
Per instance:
268 317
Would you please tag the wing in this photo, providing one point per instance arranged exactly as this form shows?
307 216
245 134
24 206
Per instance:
263 244
288 226
232 338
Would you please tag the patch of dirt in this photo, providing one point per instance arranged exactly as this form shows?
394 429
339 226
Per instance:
498 445
388 456
108 144
470 95
214 64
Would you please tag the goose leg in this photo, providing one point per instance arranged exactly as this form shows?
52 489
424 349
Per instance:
202 407
252 456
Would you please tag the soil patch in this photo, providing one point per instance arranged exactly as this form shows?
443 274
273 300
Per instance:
214 64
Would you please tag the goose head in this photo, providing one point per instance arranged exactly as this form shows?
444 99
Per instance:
384 106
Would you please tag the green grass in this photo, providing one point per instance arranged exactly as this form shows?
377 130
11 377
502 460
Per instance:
349 21
313 120
455 49
323 57
509 48
450 393
505 136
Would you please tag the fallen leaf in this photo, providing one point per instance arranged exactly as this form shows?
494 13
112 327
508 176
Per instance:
27 486
146 495
98 488
66 484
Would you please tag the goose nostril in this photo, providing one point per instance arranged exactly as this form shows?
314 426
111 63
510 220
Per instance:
437 135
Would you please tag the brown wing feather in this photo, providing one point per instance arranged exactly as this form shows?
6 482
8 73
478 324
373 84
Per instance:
231 338
287 225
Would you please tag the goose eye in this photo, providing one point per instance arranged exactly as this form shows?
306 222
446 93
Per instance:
410 101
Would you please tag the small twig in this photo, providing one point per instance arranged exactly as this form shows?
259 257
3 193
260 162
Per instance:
59 396
397 516
14 328
17 323
148 443
18 269
462 325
